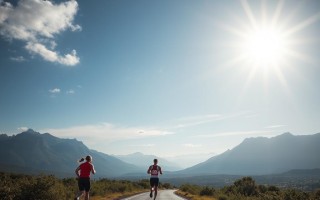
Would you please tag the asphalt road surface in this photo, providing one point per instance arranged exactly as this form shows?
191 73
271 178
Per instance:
162 195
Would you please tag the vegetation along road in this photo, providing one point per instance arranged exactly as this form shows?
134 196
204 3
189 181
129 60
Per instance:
162 195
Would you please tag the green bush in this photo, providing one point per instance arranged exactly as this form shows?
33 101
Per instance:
273 189
144 183
246 186
192 189
316 195
223 197
24 187
167 186
292 194
206 191
262 189
44 187
8 187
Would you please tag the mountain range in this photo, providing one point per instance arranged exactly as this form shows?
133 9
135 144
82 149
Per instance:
258 156
32 152
140 160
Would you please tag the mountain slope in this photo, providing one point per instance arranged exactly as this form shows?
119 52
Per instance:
264 156
31 152
144 161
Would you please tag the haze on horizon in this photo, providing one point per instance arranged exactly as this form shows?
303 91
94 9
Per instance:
162 78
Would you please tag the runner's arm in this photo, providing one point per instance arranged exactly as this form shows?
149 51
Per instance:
77 171
149 170
160 170
93 170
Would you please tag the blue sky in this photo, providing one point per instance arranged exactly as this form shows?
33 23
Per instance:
167 78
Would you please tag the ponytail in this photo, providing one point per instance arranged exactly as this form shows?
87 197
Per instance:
87 158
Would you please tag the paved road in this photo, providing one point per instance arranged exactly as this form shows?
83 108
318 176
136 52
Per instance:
162 195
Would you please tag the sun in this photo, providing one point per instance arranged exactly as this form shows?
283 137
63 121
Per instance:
264 42
264 47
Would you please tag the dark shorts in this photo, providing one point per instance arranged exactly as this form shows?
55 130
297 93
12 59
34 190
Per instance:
84 184
154 182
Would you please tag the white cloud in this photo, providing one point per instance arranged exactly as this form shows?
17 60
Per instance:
69 59
37 22
18 59
105 132
197 120
276 126
42 51
52 56
237 133
192 145
22 129
143 145
5 8
55 90
209 118
70 92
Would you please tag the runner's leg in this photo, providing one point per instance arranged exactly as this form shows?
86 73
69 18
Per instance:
156 184
151 187
79 194
81 189
155 191
87 196
87 189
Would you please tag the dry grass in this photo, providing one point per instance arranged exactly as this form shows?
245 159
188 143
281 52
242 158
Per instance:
107 197
193 197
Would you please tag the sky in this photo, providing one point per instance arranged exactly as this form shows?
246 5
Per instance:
166 78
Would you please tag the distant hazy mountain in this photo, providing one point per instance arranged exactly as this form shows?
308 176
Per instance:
32 152
261 155
188 160
144 161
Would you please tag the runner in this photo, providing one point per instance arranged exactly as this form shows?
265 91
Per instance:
154 170
84 177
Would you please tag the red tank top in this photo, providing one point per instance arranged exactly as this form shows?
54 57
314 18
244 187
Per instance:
85 169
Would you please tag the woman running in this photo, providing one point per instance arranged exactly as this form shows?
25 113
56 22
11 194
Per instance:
83 176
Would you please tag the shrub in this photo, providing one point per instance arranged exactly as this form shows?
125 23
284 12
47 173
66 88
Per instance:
222 197
42 187
316 195
144 183
262 188
192 189
206 191
8 188
245 186
273 189
167 186
292 194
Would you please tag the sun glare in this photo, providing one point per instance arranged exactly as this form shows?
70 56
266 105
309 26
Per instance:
264 47
266 42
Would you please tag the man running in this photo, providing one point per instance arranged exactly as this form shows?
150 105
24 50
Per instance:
154 170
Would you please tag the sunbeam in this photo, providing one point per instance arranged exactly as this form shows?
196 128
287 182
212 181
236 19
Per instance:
266 45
